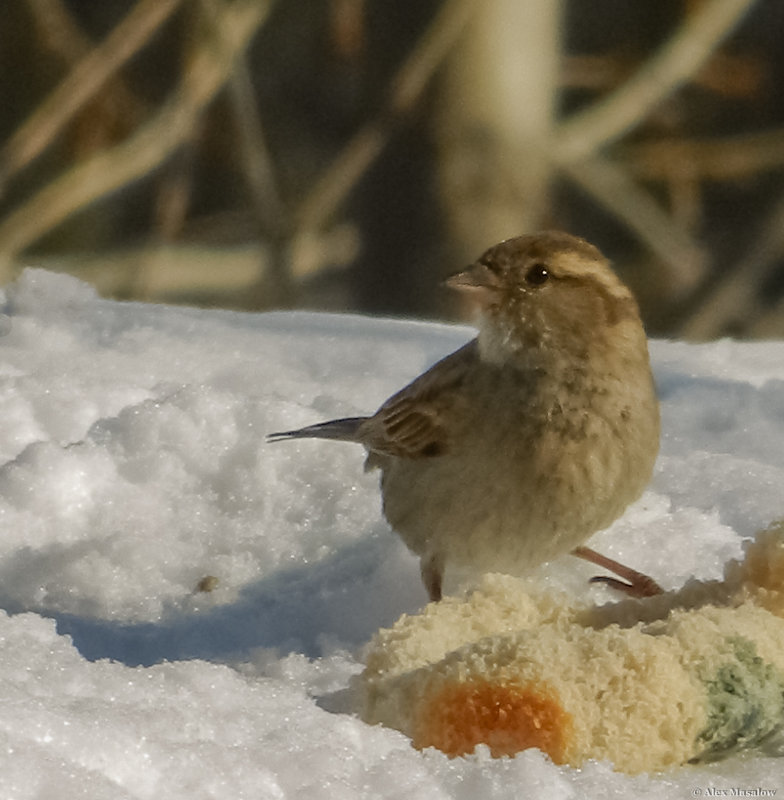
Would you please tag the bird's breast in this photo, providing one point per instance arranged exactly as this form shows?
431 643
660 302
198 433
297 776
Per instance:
531 476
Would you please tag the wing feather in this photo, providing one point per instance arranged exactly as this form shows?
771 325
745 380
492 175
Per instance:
419 421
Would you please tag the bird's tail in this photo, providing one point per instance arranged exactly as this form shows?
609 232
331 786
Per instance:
340 429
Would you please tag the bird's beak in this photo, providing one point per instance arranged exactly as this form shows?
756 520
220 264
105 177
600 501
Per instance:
478 282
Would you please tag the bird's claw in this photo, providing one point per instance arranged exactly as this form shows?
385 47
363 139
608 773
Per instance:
638 586
633 583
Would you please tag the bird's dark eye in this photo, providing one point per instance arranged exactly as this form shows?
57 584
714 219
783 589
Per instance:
537 274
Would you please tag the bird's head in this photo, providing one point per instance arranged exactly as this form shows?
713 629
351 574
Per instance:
545 293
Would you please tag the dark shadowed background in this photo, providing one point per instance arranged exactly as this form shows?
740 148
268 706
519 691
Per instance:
348 154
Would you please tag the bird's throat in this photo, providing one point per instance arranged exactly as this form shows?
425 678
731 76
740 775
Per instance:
503 342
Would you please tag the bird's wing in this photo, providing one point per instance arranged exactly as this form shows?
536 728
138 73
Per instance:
419 421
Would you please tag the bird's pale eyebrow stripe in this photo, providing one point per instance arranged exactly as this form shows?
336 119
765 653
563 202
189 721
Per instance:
618 301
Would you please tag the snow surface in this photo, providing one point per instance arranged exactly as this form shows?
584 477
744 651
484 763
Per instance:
133 470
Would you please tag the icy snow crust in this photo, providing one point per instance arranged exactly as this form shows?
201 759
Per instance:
133 466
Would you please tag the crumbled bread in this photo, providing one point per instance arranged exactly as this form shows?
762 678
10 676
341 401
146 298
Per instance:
699 674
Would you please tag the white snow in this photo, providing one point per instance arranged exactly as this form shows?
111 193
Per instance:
133 466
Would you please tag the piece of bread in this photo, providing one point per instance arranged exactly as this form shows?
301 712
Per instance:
646 684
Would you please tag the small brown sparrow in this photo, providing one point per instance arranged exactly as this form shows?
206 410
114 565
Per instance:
520 445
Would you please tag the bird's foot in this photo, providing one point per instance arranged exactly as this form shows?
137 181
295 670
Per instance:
641 586
633 583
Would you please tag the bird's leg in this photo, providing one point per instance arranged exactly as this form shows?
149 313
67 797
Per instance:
432 569
634 583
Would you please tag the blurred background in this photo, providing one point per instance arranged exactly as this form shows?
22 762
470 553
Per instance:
348 154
